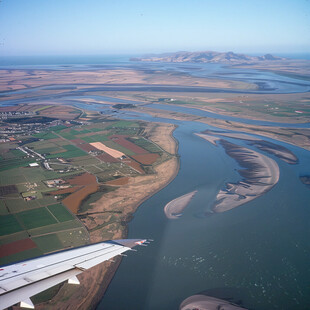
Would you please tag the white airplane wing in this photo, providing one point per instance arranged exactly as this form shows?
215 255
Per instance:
20 281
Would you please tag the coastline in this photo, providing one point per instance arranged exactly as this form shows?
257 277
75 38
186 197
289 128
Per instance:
128 198
294 136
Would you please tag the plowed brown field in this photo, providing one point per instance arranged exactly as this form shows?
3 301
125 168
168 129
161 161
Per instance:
87 185
146 159
133 164
16 247
121 140
107 158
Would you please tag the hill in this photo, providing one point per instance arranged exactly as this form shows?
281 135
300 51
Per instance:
208 57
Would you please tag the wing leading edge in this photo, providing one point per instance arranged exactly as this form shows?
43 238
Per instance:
18 282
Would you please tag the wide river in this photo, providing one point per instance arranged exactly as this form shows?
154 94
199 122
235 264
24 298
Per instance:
257 254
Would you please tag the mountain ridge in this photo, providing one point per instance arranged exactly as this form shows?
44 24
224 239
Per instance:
208 57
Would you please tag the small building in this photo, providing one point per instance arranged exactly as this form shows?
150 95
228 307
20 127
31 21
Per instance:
34 165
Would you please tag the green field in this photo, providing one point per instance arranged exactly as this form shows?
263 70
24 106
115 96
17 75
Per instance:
57 227
95 138
3 208
45 135
18 153
9 225
70 152
145 144
73 238
60 212
18 205
58 127
48 243
85 161
15 163
36 218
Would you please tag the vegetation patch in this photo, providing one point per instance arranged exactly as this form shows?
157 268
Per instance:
71 151
48 243
8 190
9 225
60 212
36 218
145 144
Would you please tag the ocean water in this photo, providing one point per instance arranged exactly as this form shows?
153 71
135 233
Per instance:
62 59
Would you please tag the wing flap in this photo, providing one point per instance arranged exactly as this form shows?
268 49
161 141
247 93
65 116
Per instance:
23 293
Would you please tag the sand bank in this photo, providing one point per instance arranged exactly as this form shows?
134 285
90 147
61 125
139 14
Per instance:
174 208
260 173
203 302
266 146
209 138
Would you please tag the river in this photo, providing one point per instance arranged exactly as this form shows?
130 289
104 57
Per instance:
257 253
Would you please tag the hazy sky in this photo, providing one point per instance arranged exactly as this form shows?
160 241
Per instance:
34 27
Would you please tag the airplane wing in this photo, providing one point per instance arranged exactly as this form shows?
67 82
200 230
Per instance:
20 281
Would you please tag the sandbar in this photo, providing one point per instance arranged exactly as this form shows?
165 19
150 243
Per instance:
209 138
260 173
203 302
174 208
267 146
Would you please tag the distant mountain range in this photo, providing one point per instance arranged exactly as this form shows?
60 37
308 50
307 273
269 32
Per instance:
208 57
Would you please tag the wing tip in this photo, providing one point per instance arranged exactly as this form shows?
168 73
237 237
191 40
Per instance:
129 243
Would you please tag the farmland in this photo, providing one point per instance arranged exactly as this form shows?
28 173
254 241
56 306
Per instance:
51 177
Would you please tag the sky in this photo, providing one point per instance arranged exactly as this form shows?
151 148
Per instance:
135 27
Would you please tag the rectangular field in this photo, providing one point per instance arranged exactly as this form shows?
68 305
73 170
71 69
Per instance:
9 225
48 243
60 212
36 218
145 144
